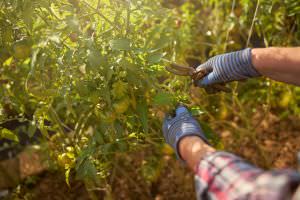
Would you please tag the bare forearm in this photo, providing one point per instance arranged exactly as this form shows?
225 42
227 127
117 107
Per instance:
192 149
281 64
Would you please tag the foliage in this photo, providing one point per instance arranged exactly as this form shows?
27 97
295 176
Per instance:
84 74
89 75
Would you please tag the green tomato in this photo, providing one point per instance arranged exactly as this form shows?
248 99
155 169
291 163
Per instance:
122 106
21 49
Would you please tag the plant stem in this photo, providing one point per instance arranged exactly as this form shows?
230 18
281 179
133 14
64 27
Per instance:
101 15
253 21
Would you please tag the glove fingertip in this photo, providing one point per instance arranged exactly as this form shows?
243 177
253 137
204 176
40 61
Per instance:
181 109
204 82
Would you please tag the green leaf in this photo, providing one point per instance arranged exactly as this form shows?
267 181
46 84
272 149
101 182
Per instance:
107 148
196 111
98 137
8 61
31 130
122 146
87 171
7 134
84 154
163 42
163 99
151 35
155 57
95 58
120 44
119 130
67 176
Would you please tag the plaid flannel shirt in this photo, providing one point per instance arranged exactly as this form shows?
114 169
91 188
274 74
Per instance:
223 175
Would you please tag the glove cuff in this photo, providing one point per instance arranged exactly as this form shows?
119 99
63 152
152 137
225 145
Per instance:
182 125
188 127
243 63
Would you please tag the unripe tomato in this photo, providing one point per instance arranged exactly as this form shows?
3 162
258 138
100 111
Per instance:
22 49
121 106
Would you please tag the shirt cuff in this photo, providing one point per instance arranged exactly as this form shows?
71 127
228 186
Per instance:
219 171
222 175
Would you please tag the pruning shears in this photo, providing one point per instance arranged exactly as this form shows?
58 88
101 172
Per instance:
196 75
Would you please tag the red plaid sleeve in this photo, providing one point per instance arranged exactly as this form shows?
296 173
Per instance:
224 176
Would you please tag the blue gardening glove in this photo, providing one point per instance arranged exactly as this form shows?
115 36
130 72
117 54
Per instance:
183 124
228 67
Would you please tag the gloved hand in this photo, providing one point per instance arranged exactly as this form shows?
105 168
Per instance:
183 124
228 67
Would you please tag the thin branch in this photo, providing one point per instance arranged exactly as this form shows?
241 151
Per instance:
253 21
101 15
128 18
14 119
59 120
43 18
2 5
98 4
53 14
60 127
229 30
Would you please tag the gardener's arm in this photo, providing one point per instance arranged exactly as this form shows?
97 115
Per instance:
221 175
281 64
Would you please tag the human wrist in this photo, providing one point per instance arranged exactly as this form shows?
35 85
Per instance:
244 63
192 149
256 55
264 59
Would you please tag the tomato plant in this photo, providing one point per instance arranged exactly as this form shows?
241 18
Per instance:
86 74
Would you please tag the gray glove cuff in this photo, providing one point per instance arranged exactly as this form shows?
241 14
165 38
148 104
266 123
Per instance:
241 63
